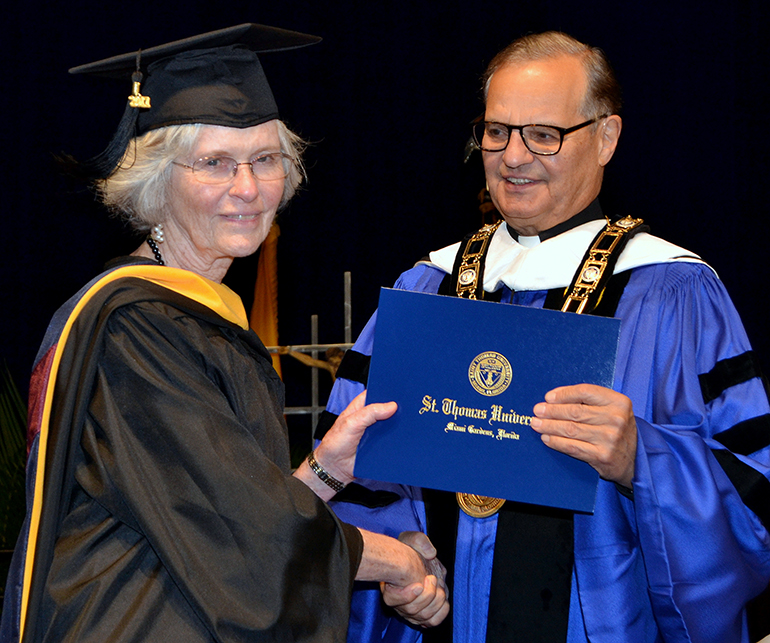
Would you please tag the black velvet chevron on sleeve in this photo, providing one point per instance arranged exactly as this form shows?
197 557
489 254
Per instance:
354 367
747 437
752 486
325 421
743 438
729 372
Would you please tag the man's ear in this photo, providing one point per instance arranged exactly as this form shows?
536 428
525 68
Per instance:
609 133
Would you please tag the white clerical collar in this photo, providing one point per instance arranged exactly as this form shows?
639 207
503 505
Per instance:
529 242
592 212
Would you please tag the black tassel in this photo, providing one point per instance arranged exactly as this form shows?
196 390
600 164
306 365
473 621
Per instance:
104 164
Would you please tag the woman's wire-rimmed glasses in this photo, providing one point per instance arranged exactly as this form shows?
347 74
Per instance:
221 169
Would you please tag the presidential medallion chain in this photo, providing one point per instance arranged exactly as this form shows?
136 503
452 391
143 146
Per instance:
473 255
468 274
590 274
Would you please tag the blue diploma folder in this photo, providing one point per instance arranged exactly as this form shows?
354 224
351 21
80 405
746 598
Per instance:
466 376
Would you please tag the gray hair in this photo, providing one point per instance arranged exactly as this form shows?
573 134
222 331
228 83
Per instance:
138 190
603 92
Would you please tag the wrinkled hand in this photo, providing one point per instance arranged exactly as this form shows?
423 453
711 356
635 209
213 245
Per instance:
423 546
337 451
593 424
425 604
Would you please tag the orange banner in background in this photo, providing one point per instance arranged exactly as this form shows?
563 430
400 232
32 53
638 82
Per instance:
264 311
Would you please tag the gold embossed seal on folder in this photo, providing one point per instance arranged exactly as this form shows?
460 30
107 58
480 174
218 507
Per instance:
490 373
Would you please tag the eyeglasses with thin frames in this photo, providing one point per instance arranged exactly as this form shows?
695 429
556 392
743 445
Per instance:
221 169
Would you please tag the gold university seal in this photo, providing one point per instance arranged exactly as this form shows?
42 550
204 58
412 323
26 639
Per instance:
490 373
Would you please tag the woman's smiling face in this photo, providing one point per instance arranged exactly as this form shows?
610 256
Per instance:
207 226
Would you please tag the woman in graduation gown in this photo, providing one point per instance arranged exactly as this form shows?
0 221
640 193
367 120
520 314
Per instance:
161 502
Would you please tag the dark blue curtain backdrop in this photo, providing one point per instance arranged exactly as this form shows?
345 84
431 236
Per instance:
386 99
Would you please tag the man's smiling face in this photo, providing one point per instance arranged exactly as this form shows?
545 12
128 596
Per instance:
534 193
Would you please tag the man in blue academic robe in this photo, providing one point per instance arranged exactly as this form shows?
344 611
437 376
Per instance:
678 543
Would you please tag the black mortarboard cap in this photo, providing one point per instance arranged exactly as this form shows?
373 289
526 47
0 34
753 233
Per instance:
213 78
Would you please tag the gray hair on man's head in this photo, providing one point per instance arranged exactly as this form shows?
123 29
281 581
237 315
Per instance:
603 92
138 190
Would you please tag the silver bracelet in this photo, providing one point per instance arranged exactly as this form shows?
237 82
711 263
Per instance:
323 474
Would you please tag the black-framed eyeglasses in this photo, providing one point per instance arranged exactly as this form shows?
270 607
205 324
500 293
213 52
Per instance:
543 140
221 169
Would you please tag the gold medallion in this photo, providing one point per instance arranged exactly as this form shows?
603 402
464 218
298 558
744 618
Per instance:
479 506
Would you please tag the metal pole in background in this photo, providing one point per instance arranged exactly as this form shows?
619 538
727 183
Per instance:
314 376
314 349
348 308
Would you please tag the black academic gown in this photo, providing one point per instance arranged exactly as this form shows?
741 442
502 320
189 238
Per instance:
168 510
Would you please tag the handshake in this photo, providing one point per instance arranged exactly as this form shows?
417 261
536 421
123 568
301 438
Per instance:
423 602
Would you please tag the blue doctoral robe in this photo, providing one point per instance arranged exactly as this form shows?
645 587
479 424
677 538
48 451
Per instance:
676 563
